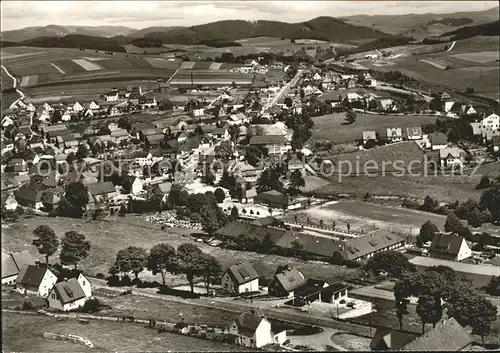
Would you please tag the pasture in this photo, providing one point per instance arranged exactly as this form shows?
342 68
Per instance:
7 82
24 333
107 237
331 127
479 57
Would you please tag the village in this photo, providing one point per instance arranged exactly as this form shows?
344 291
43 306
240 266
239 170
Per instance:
207 169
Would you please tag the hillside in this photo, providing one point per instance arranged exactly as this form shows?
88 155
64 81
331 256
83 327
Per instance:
324 28
420 26
487 29
74 41
142 32
58 31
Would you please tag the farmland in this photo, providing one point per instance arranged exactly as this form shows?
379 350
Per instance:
58 65
330 127
110 236
24 333
207 77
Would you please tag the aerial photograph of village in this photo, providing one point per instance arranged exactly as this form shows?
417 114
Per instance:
280 176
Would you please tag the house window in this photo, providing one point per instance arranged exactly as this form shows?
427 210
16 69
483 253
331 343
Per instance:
83 282
53 296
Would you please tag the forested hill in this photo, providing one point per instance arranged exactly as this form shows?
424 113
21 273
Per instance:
486 29
71 41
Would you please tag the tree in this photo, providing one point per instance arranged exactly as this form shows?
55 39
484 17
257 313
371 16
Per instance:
430 310
296 248
220 195
429 204
211 270
227 181
77 195
392 262
351 116
46 241
401 310
162 259
123 123
82 152
74 248
296 179
288 102
452 224
131 259
490 200
484 183
165 104
234 213
56 117
427 232
191 262
493 287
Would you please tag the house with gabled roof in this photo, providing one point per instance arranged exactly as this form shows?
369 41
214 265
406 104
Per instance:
13 263
36 280
394 134
240 278
369 135
448 335
386 339
100 193
285 280
449 247
414 133
275 144
252 329
438 140
451 157
364 247
68 294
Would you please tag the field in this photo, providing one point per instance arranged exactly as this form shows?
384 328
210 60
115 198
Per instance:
479 57
187 77
35 66
23 333
108 237
331 128
7 82
367 216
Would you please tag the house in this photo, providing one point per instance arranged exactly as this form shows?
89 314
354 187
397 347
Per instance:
119 135
285 280
68 295
238 119
353 97
221 133
31 195
77 107
198 111
369 135
111 96
100 192
47 107
492 121
438 140
447 106
223 151
132 184
448 335
386 339
364 247
162 190
13 263
273 199
385 104
395 134
252 329
36 280
275 144
414 133
467 109
240 278
450 157
449 247
93 105
7 121
445 96
9 202
30 107
153 141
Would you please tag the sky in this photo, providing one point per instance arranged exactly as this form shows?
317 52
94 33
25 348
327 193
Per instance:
141 14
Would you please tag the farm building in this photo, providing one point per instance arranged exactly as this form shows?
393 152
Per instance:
388 340
240 278
36 280
13 263
209 78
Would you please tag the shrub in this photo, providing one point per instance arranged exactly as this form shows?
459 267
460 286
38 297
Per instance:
100 275
28 305
352 264
91 306
202 334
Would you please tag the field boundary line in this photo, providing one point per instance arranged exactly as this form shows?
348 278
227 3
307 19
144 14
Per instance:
58 68
19 92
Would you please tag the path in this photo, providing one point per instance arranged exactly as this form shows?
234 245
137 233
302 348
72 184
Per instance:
15 86
283 91
451 46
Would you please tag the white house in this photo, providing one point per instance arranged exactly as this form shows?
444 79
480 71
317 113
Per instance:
36 280
44 116
317 77
198 111
238 119
395 134
252 329
7 121
492 121
449 247
146 159
414 133
448 106
134 184
240 278
93 105
111 96
468 109
47 107
77 107
66 116
21 104
10 201
450 157
353 96
68 295
13 263
30 107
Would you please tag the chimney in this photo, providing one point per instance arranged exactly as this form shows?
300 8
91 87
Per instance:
65 279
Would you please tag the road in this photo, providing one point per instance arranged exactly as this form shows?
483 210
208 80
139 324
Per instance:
452 46
283 91
15 86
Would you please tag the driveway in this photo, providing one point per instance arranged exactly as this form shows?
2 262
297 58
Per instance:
318 341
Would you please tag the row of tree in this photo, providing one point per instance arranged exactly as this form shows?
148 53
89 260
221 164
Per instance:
162 259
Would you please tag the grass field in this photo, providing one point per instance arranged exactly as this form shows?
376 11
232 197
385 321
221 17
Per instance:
330 127
110 236
24 333
368 216
479 57
7 82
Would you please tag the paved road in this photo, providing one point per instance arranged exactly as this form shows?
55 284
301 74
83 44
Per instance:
283 91
15 86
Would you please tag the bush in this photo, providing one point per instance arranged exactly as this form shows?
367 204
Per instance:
91 306
28 305
352 264
100 275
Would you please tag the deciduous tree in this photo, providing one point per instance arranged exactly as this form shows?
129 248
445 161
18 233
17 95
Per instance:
131 259
452 224
74 248
211 270
162 259
77 195
46 241
191 262
392 262
427 232
429 309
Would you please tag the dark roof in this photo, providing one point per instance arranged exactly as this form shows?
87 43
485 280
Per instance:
243 273
448 335
361 246
154 138
316 245
14 262
236 229
69 291
248 322
101 188
312 286
273 196
31 276
446 243
32 192
267 140
290 278
267 221
438 138
393 340
334 288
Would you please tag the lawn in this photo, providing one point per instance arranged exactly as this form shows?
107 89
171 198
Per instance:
24 333
351 342
109 236
8 98
367 216
331 128
7 82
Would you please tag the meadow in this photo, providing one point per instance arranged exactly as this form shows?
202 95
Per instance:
331 128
